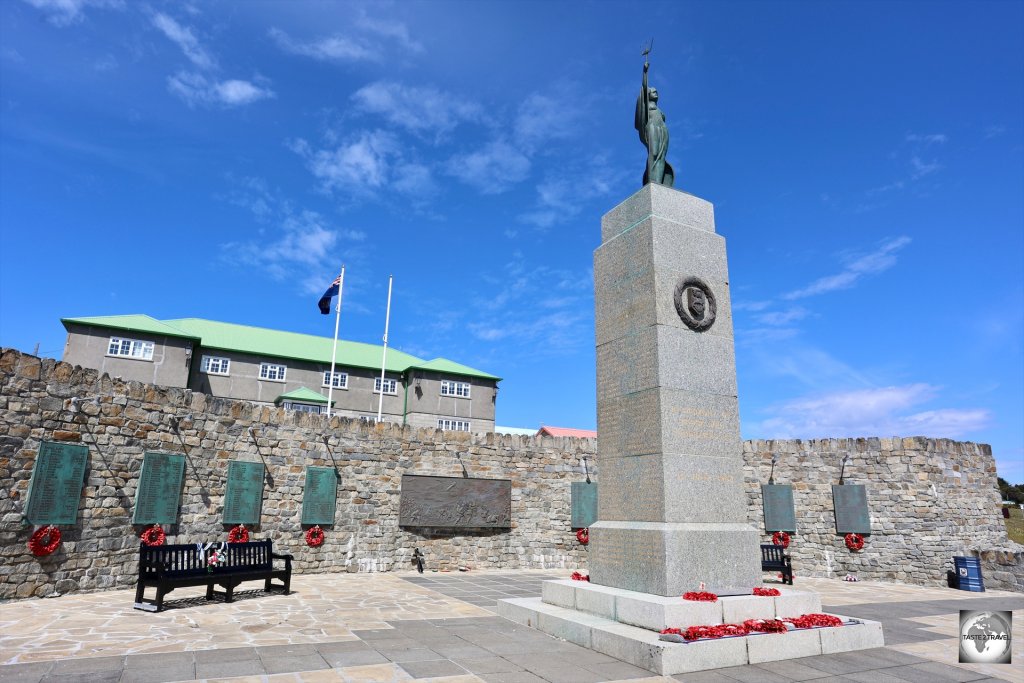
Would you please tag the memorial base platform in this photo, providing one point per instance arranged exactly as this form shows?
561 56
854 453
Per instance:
626 625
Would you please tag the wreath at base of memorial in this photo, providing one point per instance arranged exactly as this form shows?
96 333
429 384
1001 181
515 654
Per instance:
780 538
583 536
314 536
854 542
238 534
41 547
153 535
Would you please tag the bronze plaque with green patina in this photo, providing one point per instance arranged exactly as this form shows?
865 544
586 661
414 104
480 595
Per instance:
455 502
159 493
56 485
320 495
850 502
779 512
584 504
244 498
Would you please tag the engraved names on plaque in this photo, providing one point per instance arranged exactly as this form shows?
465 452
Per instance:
56 484
850 502
455 502
779 511
584 504
244 498
159 492
320 495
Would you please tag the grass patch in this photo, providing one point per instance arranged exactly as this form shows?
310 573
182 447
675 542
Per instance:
1015 525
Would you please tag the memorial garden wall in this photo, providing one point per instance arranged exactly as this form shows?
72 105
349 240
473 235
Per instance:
929 499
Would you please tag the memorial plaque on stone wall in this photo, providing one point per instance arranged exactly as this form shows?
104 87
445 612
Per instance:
850 502
56 485
455 502
244 498
159 492
779 512
320 495
584 504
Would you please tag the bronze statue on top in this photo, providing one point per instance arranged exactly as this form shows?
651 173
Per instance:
650 124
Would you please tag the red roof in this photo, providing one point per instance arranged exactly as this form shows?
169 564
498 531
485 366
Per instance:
568 431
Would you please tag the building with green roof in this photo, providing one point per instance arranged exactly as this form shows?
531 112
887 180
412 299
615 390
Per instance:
274 367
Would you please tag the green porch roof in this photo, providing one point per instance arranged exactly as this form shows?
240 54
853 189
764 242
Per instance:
304 395
129 323
443 365
260 341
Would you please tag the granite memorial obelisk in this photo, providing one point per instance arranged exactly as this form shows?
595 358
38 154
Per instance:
671 506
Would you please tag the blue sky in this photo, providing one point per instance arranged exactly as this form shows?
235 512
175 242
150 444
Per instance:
223 159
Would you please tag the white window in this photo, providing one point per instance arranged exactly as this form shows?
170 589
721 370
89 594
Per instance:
390 386
306 408
130 348
453 425
272 371
215 366
449 388
340 380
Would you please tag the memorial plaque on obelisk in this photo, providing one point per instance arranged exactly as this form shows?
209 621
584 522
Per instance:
55 488
672 513
159 492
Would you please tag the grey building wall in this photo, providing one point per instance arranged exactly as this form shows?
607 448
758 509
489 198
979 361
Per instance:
426 404
243 382
88 346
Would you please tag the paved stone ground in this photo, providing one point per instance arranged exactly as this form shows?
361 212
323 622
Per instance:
382 631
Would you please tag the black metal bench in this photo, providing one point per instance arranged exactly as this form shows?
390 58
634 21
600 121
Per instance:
773 558
167 567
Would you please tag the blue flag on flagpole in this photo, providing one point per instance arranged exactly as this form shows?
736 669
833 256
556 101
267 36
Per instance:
332 291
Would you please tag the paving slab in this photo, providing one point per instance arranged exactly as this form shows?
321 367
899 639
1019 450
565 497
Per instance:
432 669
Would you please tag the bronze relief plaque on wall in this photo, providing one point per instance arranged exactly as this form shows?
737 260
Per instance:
584 504
319 495
243 500
159 492
56 484
850 502
779 511
455 502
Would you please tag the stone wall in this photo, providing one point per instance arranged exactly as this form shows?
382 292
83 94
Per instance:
119 421
929 499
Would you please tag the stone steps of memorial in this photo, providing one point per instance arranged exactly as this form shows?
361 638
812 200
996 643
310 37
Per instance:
626 625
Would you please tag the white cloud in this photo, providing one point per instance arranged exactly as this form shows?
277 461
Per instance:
355 166
394 30
67 12
561 197
921 168
196 89
750 305
934 138
874 411
305 245
183 37
417 109
332 48
491 169
542 119
872 263
781 318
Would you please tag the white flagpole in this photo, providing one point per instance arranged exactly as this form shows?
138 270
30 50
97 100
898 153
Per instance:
334 351
384 359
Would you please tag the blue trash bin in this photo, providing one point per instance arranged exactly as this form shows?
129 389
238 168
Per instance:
968 574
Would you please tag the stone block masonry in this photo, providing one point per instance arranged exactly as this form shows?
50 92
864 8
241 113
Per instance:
930 499
120 421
